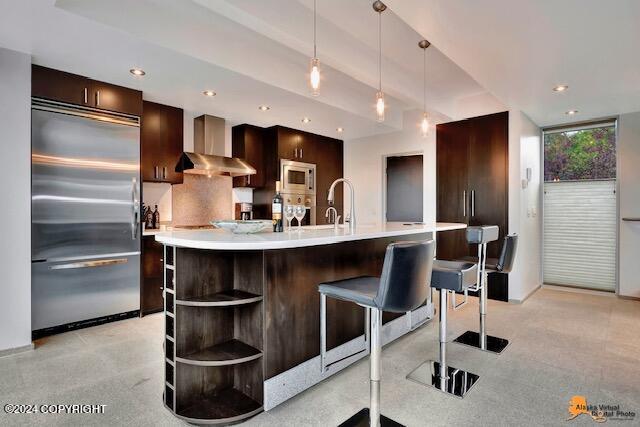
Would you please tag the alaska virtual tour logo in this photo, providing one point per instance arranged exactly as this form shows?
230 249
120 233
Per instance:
600 413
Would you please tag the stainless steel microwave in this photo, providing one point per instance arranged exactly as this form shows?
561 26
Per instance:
297 177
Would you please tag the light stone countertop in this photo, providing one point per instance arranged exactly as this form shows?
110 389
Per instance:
308 236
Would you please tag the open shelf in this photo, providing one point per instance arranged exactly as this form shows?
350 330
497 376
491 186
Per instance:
216 324
227 353
226 406
221 299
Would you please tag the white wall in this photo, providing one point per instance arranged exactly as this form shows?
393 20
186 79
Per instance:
629 185
525 205
15 193
364 166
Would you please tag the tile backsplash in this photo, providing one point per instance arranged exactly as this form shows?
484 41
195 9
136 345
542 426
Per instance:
200 199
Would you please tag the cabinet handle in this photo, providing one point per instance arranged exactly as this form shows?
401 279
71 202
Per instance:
86 95
97 98
248 179
473 203
464 203
301 155
295 153
155 172
164 172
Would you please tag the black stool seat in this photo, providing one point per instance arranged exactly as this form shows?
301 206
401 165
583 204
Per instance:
480 234
491 264
361 290
453 275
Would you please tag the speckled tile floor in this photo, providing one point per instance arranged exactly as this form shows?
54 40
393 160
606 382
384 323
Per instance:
562 344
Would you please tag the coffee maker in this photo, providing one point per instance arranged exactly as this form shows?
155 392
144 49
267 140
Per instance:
244 211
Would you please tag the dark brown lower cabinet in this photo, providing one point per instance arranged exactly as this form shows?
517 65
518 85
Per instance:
151 300
472 186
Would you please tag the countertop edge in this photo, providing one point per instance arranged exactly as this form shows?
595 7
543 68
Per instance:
171 240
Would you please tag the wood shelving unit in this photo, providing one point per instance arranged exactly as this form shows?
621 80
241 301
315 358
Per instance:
226 353
214 370
220 299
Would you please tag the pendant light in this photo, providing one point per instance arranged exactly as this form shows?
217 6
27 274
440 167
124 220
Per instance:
424 124
379 7
314 73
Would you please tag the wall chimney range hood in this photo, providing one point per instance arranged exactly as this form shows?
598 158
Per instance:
208 156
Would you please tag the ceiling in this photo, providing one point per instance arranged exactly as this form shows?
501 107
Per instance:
520 49
485 56
249 53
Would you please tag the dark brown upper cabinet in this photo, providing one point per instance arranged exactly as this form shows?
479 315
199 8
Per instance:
248 144
116 98
162 141
70 88
296 145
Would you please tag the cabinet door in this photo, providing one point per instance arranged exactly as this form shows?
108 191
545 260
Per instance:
151 298
151 141
60 86
162 142
173 134
488 175
288 143
452 154
116 98
248 144
329 167
309 147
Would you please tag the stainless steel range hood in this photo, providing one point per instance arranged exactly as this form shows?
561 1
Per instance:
208 156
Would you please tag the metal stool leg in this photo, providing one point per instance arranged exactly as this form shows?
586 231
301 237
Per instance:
480 339
438 374
323 333
371 416
374 368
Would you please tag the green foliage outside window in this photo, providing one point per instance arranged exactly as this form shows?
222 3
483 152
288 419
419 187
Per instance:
580 155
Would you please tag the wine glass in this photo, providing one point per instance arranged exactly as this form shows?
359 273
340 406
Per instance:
300 211
289 213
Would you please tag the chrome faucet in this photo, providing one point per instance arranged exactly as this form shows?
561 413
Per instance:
336 217
352 211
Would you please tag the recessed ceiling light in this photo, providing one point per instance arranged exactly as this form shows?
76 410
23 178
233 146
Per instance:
340 130
209 93
264 108
306 120
572 112
137 72
560 88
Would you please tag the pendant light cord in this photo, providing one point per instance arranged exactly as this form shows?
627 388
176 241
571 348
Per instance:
424 80
314 30
380 51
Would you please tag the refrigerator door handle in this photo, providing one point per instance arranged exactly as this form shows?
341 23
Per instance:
134 207
88 264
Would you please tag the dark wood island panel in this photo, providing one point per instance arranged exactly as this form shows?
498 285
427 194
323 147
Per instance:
292 303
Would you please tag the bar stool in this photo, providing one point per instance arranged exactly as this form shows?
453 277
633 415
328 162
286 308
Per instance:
447 276
403 286
503 265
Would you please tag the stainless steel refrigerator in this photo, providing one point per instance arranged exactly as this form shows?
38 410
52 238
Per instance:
85 215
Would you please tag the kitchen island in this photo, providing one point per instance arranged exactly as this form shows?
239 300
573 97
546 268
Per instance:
242 313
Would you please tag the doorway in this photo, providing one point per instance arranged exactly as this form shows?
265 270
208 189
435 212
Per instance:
580 206
404 188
